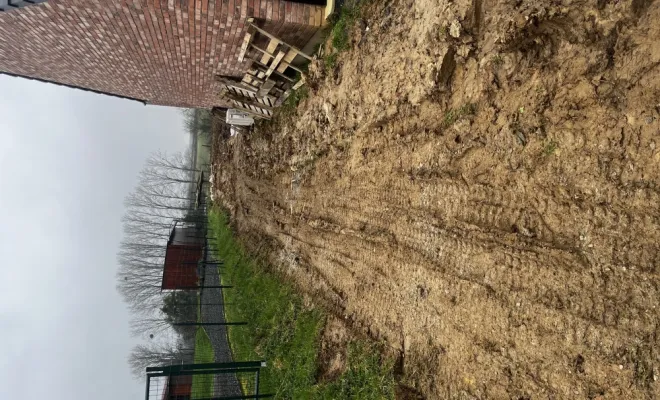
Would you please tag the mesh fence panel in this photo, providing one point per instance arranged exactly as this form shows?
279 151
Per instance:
198 308
217 381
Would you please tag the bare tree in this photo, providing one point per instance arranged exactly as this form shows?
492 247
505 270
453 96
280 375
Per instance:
181 161
189 120
163 195
140 287
196 121
156 354
143 326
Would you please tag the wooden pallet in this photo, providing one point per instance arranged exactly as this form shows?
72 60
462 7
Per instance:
268 81
277 56
244 97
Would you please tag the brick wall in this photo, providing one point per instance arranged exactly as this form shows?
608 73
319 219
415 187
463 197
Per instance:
7 5
164 52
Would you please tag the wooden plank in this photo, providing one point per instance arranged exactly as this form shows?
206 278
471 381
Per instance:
266 87
286 94
256 109
251 112
266 99
290 55
246 101
318 17
262 111
261 50
281 75
272 46
244 46
254 87
263 100
275 38
282 98
284 66
246 93
233 84
298 84
243 93
258 81
253 80
247 107
275 63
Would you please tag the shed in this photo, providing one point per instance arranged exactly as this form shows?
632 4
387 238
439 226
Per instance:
185 249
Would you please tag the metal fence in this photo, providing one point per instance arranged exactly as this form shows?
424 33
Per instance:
202 307
211 381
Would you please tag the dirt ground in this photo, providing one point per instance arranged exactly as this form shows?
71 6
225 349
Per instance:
477 184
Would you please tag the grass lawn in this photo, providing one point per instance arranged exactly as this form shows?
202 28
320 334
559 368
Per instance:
203 153
286 334
202 385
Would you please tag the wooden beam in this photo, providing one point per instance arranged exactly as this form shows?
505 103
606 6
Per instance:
266 87
247 101
275 72
272 37
243 93
244 46
272 46
290 55
254 46
238 85
252 112
286 94
253 78
285 65
282 98
275 63
298 84
266 98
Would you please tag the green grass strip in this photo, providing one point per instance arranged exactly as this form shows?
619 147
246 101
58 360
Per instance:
286 334
202 385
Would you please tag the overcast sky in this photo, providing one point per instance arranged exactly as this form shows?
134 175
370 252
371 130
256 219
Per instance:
67 159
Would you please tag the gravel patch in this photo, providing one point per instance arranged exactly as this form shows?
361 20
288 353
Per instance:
225 384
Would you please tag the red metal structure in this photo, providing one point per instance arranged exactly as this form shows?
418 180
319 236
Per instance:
185 250
178 388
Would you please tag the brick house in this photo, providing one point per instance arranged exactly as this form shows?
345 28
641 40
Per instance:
164 52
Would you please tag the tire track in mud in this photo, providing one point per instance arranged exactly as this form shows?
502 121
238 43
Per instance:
566 272
495 212
341 239
360 203
498 269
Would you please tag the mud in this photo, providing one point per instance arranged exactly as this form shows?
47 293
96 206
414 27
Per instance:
476 184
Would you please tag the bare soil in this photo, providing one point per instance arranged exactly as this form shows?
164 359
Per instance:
476 183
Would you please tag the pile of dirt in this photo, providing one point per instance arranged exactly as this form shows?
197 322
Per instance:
477 184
